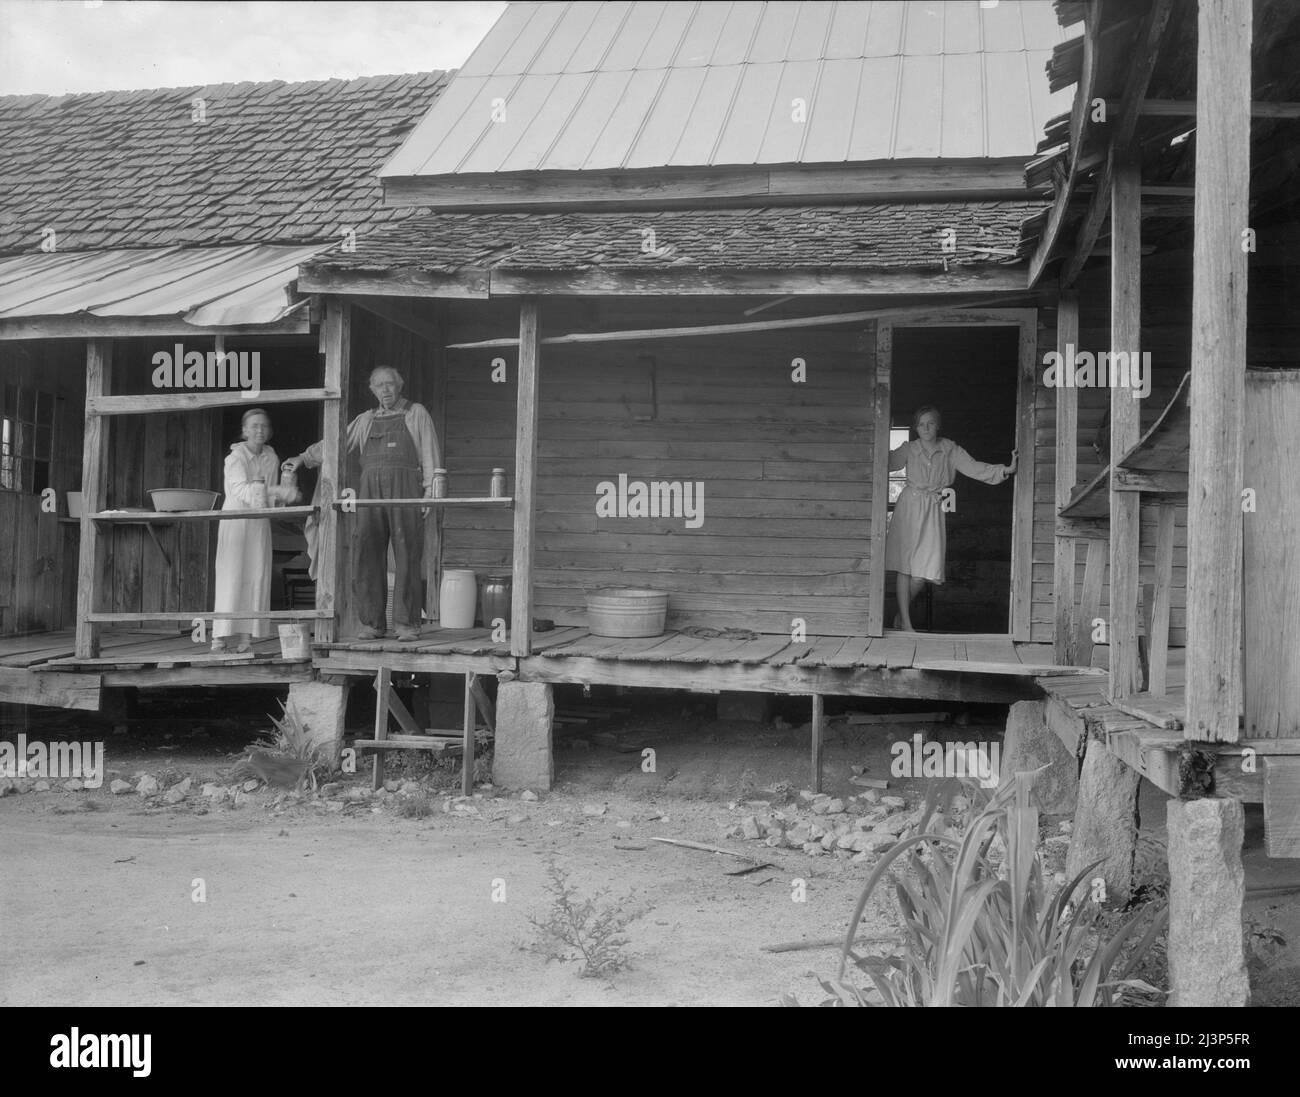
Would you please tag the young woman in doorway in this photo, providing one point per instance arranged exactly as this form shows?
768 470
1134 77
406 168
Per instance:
917 538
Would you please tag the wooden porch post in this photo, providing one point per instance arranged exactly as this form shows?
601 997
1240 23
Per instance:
880 477
1214 552
1067 470
93 561
521 610
1125 420
333 566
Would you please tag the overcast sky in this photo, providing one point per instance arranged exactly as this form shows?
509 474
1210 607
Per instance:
57 46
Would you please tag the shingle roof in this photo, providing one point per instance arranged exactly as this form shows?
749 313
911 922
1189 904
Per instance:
271 163
618 85
774 238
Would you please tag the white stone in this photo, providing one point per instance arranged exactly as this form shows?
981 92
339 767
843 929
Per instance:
147 786
119 787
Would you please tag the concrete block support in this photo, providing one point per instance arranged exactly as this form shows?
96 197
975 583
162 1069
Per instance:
1029 745
753 707
522 753
1207 885
1105 822
321 707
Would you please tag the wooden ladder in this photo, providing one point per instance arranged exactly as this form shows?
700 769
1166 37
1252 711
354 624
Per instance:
477 703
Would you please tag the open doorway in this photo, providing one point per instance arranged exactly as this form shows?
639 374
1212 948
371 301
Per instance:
971 374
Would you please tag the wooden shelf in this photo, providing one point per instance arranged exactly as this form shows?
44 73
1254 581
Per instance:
445 501
210 615
163 517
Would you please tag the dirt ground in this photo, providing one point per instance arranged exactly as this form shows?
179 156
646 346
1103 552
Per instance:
340 899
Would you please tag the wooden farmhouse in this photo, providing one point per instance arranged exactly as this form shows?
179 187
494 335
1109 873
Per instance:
722 252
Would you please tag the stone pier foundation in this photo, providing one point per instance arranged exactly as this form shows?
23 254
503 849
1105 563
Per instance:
1105 822
1207 886
522 757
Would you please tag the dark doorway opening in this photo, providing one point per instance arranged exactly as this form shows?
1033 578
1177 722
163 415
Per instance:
970 374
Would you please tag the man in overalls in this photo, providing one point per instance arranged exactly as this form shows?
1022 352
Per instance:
399 451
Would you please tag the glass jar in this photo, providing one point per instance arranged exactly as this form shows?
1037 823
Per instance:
496 599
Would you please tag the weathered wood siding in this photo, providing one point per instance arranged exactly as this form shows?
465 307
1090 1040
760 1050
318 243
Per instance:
784 467
1273 341
38 554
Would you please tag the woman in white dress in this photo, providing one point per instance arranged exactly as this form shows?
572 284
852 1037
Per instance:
917 539
244 545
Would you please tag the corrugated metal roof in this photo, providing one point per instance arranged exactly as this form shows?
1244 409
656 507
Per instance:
206 287
600 86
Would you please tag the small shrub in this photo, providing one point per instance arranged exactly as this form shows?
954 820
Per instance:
290 741
983 930
415 807
582 929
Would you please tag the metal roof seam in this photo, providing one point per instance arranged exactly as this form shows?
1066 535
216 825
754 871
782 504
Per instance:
812 104
648 112
735 91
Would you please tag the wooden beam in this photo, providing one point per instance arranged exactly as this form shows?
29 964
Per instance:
202 401
136 327
1186 108
93 560
54 689
521 606
208 615
659 188
881 405
1080 115
916 313
675 281
1085 241
383 686
333 572
1218 360
1067 457
396 282
1125 426
817 724
1153 481
1158 635
207 674
1094 574
1093 529
467 751
1022 526
1142 64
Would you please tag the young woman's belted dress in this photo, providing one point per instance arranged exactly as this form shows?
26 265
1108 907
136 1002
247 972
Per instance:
917 540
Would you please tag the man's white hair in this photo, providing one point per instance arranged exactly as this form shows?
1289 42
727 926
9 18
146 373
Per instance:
387 369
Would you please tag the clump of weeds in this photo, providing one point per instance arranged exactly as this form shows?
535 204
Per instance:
586 930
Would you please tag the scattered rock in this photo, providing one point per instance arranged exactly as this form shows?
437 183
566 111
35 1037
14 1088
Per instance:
44 786
895 824
834 807
119 787
774 840
329 789
1067 827
862 858
799 834
749 827
528 796
392 785
175 794
828 841
410 786
871 796
147 786
250 785
6 786
895 803
734 832
334 805
593 809
815 833
813 849
874 840
806 796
